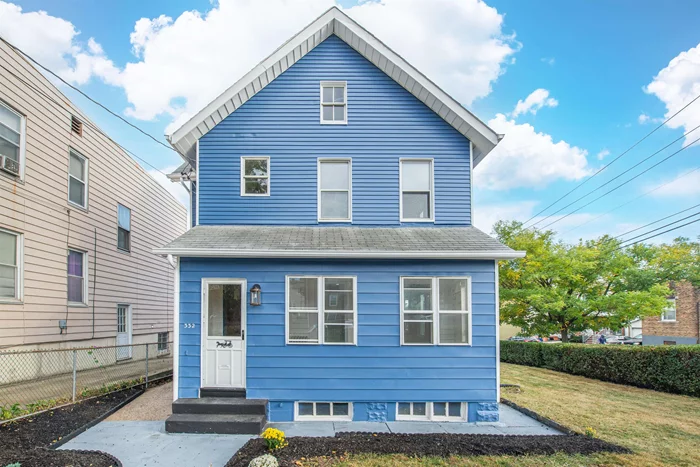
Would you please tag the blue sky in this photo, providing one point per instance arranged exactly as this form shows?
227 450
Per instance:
607 74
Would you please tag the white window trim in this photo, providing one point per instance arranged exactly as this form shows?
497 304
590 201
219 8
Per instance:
663 313
123 250
86 163
86 278
320 102
320 310
320 161
243 177
430 414
330 418
22 140
19 278
435 305
432 189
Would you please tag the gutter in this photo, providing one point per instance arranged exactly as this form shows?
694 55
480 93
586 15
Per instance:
344 254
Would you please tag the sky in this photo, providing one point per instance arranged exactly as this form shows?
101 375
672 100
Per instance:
572 85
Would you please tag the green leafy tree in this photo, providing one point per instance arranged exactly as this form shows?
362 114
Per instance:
562 288
677 261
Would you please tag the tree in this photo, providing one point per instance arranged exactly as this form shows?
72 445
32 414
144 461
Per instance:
677 261
561 288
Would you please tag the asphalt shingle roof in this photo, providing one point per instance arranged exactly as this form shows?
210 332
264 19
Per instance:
461 241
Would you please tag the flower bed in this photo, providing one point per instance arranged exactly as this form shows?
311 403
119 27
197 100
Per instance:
28 440
421 445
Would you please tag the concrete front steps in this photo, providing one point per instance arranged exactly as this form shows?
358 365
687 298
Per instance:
220 411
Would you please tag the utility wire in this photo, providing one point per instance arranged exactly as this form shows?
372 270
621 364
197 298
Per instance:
657 221
632 201
656 235
17 49
659 228
622 184
617 176
614 160
86 123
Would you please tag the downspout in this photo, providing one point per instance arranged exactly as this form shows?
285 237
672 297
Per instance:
94 283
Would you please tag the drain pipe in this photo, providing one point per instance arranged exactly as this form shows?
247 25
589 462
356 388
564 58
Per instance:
94 284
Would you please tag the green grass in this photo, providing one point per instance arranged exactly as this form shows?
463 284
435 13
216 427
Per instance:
661 429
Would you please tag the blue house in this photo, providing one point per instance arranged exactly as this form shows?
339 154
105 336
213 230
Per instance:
332 271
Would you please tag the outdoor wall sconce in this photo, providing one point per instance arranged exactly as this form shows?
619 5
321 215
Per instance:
255 295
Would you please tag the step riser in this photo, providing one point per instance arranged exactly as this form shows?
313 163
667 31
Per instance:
221 428
222 409
212 392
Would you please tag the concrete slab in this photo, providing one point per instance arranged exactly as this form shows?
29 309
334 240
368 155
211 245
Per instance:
508 416
528 430
304 428
364 427
145 443
415 427
469 429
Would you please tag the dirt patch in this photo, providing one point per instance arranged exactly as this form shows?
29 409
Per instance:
154 404
422 445
26 440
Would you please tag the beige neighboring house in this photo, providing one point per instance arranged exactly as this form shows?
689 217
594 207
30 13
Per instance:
78 220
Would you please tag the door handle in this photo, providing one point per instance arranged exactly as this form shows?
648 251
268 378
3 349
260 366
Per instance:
243 334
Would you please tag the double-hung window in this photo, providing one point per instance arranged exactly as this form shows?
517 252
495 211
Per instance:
436 310
10 265
255 176
334 190
669 313
123 228
321 310
416 190
12 132
78 179
77 277
334 99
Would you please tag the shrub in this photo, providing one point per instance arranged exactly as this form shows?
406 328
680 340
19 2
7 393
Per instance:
673 369
274 439
266 460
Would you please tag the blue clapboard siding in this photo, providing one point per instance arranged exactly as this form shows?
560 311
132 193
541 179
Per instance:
385 123
193 203
378 368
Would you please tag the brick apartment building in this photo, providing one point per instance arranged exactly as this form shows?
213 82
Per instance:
680 322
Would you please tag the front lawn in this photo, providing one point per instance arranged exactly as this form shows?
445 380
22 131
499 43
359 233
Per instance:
661 429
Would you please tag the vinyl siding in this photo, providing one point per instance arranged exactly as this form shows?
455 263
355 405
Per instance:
38 207
385 123
378 368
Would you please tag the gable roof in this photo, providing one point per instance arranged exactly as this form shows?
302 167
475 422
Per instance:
334 21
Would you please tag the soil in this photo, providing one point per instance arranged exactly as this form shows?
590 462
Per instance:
421 445
27 440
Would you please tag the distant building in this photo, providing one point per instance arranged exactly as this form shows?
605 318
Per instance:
680 321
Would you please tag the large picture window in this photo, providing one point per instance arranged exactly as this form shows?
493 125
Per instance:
321 310
416 190
334 190
435 310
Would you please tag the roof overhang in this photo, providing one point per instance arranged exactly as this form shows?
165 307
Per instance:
334 21
338 254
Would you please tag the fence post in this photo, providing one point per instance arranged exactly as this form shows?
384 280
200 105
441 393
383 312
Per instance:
75 371
146 366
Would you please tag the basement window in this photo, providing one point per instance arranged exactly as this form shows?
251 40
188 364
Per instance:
323 411
435 411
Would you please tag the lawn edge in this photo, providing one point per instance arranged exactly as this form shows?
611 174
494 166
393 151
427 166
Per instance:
544 420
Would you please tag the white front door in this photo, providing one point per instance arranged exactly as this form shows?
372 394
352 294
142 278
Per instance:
223 333
123 332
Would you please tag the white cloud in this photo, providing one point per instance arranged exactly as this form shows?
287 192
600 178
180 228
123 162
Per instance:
683 186
535 101
643 119
182 63
485 216
603 154
54 42
177 190
526 158
548 60
676 85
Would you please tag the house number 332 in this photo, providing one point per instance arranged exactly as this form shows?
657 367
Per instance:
189 325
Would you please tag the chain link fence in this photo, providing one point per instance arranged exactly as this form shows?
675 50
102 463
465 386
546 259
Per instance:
34 380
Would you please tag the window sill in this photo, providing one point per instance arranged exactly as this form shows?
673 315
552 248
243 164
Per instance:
71 204
334 123
122 250
11 301
252 195
668 321
77 305
417 220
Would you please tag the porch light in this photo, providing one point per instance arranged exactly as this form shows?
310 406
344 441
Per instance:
255 295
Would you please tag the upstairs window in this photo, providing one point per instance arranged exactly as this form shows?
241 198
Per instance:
77 283
255 176
416 190
10 265
334 98
77 179
669 313
12 131
334 194
123 228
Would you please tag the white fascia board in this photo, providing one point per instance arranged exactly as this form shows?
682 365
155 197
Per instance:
231 253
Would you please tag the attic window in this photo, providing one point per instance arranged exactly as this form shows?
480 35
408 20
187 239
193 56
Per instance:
76 126
334 99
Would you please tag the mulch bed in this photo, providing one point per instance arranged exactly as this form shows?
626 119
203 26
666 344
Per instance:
28 440
422 445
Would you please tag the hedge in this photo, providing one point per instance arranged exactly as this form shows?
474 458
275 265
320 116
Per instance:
674 369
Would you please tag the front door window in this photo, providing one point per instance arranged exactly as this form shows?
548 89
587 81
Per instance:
224 310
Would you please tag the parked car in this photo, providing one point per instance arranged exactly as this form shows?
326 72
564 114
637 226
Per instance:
613 340
627 340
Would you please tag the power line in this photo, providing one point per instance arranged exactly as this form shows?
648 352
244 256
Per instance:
622 184
17 49
617 176
656 235
657 221
86 123
631 201
659 228
614 160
